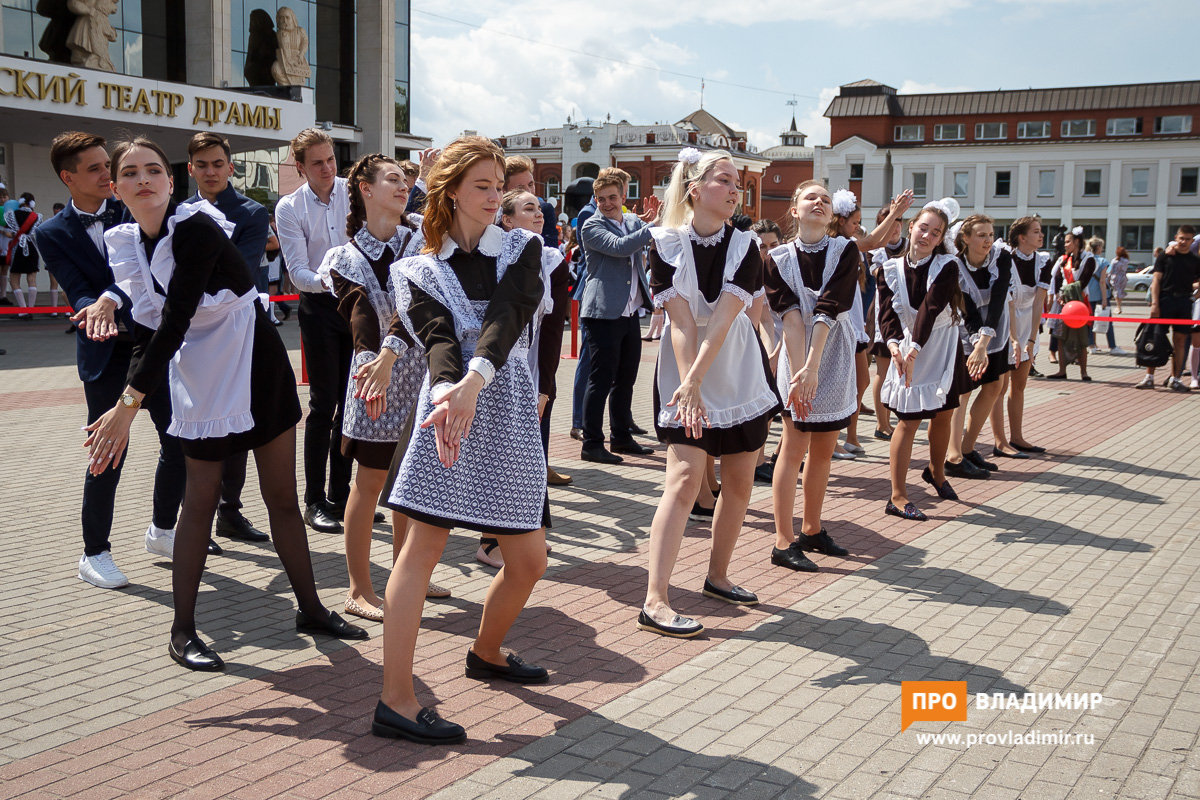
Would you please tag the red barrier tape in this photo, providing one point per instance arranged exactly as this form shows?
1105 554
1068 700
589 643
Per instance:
1154 321
69 310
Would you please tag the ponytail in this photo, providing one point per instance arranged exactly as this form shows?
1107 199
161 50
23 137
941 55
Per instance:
676 210
365 170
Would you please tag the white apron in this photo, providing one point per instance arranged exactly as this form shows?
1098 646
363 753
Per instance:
933 369
982 297
837 394
1023 300
735 389
209 375
551 258
499 479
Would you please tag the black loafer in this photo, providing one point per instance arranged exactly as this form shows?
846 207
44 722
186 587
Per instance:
334 626
317 517
631 448
196 655
238 527
979 461
637 429
887 437
821 543
577 434
680 627
944 491
910 512
998 453
793 558
1030 449
214 549
599 455
429 728
764 472
516 670
965 469
701 514
736 596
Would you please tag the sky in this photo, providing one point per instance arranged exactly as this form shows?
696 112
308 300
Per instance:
531 64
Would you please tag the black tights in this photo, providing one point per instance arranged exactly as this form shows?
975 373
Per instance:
276 462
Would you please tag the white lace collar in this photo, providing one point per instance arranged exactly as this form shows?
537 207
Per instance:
706 241
372 248
816 247
915 264
489 244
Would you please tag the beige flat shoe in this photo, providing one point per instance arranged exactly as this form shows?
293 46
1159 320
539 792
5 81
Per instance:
436 591
352 607
553 478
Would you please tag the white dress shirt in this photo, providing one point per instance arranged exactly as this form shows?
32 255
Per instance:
308 229
95 232
634 306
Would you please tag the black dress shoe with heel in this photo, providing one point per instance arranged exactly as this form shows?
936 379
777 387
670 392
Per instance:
821 543
516 670
334 626
236 526
736 596
214 549
631 448
598 455
196 655
428 728
793 558
979 461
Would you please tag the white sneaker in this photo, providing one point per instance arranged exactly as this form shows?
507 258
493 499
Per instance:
100 571
1147 382
1195 384
1094 350
1116 351
160 541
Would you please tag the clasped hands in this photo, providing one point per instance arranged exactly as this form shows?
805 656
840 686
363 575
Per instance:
452 416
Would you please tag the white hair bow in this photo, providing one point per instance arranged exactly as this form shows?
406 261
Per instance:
689 155
1077 231
844 202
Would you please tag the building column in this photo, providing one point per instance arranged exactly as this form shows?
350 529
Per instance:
209 42
1112 233
1022 190
1068 195
376 33
1162 190
981 187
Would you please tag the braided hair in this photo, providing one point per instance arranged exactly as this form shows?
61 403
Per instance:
365 170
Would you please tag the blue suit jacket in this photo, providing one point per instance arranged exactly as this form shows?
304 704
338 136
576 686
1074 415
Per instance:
84 275
253 223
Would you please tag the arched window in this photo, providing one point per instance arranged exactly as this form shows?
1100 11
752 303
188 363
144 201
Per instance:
553 186
635 186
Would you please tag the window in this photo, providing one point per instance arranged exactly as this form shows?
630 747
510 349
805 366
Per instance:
949 133
1139 182
1003 184
919 179
634 190
1137 237
910 133
1126 126
664 179
1181 123
749 194
1078 127
1046 180
554 187
1033 130
991 130
1189 177
962 181
1091 183
856 172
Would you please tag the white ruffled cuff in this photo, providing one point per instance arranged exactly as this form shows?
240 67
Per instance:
740 293
824 319
984 331
485 368
662 297
915 346
1042 285
438 391
760 293
395 344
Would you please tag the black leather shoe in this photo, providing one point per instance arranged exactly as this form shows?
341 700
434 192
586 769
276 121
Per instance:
599 455
631 448
196 655
214 549
319 519
1033 448
429 728
237 526
680 627
965 469
821 543
335 626
764 472
998 453
944 491
638 429
979 461
793 558
338 512
577 434
736 596
516 670
701 514
910 511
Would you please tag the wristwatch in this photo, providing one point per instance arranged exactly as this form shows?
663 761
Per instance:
129 401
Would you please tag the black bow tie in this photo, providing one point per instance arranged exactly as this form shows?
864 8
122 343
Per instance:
107 216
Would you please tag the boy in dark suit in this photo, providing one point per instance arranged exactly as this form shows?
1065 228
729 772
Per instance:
72 245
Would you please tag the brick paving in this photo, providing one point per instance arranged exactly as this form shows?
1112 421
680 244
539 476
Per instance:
1068 573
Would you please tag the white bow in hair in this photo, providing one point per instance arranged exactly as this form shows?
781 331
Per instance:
1077 231
689 155
844 202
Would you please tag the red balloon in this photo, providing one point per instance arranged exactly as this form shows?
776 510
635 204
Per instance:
1075 314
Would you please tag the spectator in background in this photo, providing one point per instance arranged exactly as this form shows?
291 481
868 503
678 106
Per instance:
518 177
584 363
1098 293
1118 278
22 254
7 204
1172 295
416 183
1059 243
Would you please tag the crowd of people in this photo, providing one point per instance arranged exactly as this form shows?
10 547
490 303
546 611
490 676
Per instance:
432 304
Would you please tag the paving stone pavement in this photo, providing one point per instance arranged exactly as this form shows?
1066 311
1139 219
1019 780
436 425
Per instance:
1069 573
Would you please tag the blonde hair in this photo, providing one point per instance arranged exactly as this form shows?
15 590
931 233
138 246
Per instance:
676 210
515 165
309 137
795 226
453 163
611 176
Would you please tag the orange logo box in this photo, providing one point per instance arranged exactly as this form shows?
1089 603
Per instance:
932 701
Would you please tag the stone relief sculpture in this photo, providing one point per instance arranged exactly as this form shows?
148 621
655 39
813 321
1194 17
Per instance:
261 45
291 56
91 33
54 39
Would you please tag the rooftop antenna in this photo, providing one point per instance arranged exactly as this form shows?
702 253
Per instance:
702 94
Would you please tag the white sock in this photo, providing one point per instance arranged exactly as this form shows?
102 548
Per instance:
54 297
20 297
31 295
154 532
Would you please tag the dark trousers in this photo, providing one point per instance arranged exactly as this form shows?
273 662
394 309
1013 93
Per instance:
327 352
546 427
615 348
233 480
100 491
582 368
